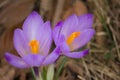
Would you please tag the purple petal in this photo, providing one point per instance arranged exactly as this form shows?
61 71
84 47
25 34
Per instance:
70 25
62 44
56 31
85 21
85 37
45 36
20 42
76 54
75 24
51 58
34 59
32 25
15 61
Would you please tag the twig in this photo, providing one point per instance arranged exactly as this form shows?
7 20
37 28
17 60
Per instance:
58 11
86 67
80 77
45 7
115 41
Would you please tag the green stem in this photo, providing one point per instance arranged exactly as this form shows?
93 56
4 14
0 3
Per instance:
33 73
60 68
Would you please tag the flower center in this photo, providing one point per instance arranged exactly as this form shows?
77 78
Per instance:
72 37
34 46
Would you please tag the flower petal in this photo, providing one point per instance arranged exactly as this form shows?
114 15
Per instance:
62 44
85 21
15 61
76 24
70 25
51 58
32 25
34 59
76 54
45 38
83 39
56 31
20 42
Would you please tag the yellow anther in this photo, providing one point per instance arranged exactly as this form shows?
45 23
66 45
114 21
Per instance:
34 46
72 37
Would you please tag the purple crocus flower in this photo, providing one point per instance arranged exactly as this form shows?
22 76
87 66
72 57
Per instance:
73 34
32 43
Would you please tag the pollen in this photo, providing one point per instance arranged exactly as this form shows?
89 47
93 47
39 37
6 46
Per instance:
34 46
73 36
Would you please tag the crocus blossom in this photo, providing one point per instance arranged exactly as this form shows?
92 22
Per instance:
74 33
32 43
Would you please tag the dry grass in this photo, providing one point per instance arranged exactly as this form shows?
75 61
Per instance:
103 61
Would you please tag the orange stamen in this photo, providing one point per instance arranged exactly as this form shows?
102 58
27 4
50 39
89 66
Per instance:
34 46
72 37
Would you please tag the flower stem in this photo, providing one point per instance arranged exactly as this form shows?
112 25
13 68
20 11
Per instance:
35 72
60 68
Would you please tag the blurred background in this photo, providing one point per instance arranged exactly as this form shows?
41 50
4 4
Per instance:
103 60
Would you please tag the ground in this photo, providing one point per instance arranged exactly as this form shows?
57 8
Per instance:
103 60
